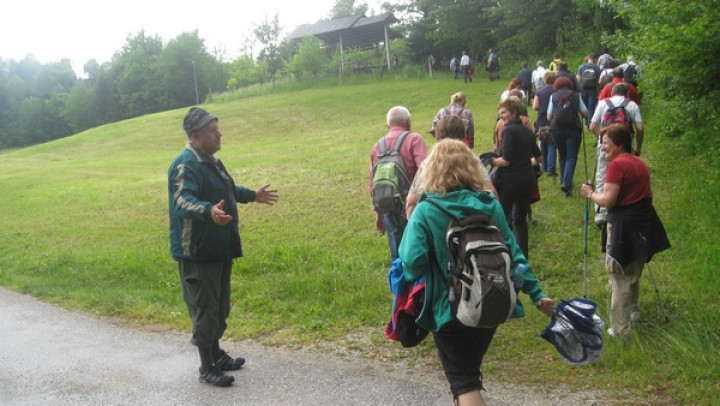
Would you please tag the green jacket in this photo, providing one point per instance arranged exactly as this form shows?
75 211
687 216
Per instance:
197 182
426 229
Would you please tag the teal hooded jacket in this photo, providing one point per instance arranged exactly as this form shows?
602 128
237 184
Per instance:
423 251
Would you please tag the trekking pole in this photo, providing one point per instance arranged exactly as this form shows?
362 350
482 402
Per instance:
657 292
585 223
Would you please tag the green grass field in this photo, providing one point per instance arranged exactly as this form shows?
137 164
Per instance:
84 225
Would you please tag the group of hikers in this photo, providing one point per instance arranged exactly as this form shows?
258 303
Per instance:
465 66
425 202
451 182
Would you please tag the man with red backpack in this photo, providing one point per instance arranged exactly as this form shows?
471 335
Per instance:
617 77
616 109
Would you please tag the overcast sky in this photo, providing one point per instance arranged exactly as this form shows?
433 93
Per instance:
81 30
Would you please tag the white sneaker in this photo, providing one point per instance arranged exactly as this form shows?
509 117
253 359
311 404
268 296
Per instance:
635 317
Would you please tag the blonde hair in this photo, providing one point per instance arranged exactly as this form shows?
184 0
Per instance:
458 98
450 166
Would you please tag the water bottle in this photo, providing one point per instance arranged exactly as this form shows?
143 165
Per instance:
519 275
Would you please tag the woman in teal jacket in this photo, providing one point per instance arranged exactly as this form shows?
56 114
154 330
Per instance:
454 179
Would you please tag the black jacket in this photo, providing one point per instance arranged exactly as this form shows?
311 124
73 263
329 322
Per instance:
637 232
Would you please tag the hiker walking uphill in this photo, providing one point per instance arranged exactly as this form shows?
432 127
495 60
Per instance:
555 63
457 108
635 232
631 71
538 77
564 113
454 183
465 65
588 76
617 77
455 67
493 65
204 238
516 178
394 161
542 124
617 109
525 75
450 126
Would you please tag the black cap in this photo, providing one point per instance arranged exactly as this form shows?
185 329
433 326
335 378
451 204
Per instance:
195 119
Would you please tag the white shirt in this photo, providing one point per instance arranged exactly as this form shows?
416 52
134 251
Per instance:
632 110
465 60
538 78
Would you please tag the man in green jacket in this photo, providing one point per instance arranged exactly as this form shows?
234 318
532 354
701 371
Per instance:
204 238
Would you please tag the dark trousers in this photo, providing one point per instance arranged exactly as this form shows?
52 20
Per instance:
461 350
567 142
394 228
590 98
514 193
206 291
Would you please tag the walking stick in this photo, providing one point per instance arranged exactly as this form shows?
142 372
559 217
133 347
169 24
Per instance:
585 224
657 292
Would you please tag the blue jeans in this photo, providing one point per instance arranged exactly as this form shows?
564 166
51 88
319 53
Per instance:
590 98
394 227
547 149
567 142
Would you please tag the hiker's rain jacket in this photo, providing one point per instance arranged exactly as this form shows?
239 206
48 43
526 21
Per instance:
426 229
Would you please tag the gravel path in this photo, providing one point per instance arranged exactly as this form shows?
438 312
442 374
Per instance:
52 356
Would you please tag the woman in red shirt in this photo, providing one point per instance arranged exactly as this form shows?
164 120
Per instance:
634 230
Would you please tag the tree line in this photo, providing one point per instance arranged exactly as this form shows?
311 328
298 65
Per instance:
674 41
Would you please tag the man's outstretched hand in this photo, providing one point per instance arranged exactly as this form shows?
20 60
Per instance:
265 195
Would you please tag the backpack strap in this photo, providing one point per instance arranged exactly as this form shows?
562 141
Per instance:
396 147
451 255
382 149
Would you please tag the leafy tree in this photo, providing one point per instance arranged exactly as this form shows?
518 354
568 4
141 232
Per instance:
676 44
80 111
136 77
40 121
55 78
175 64
309 59
346 8
268 34
243 72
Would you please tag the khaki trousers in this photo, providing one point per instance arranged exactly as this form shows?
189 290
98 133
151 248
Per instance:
624 289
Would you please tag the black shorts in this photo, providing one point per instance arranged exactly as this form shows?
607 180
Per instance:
461 350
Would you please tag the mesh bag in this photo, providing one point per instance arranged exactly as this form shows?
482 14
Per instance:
576 331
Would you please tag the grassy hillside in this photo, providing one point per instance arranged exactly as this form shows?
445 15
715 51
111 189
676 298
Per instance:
84 225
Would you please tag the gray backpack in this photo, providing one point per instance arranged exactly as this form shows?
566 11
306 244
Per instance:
481 290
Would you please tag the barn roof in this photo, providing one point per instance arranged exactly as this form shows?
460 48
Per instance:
357 31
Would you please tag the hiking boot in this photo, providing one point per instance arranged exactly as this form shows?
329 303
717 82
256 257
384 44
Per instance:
552 173
216 377
615 335
567 190
227 363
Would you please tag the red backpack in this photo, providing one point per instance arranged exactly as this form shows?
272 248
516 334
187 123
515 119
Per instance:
616 114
